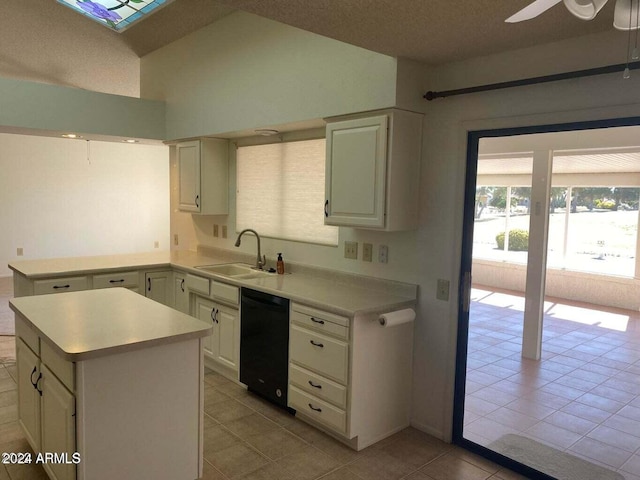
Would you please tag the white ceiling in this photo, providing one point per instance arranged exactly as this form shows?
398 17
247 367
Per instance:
430 31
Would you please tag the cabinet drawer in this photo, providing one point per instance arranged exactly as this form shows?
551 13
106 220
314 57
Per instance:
317 409
222 291
320 353
28 336
59 285
318 386
116 279
198 284
60 367
325 322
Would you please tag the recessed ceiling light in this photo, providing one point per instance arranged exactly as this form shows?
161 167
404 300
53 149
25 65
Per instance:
117 15
71 135
130 140
266 132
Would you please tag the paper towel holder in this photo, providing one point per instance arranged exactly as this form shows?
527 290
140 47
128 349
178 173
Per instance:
397 317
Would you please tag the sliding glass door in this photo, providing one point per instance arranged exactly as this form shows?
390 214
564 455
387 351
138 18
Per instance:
547 385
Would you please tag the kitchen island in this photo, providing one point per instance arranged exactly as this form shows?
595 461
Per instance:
111 384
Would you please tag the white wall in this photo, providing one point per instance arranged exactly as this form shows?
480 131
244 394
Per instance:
43 41
244 72
61 197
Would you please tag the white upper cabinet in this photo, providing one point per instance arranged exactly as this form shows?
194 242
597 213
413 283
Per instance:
373 170
203 176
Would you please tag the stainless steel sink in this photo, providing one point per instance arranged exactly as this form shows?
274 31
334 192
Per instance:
234 270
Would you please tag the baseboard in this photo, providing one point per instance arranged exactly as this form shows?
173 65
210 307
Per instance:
430 431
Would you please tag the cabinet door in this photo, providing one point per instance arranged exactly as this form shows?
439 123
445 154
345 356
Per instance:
205 310
188 154
181 293
356 172
159 287
28 397
58 409
226 337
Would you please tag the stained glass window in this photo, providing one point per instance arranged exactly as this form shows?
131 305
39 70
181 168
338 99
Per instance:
115 14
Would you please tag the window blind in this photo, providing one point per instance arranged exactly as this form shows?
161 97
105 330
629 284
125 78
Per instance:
280 191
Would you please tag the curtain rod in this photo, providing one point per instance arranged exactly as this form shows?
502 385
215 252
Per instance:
431 95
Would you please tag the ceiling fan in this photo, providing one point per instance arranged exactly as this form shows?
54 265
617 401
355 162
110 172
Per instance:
625 16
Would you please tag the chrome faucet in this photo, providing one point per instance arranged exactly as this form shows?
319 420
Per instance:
261 261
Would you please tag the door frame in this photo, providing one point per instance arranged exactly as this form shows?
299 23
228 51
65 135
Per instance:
465 277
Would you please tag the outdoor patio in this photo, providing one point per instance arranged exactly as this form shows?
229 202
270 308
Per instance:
582 397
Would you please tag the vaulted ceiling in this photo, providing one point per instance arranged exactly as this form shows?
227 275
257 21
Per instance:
431 31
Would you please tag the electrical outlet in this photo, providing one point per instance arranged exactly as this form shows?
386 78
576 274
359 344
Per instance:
351 250
224 231
175 239
156 244
367 252
215 229
383 254
442 292
20 251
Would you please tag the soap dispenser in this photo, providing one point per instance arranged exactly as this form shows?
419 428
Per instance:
280 265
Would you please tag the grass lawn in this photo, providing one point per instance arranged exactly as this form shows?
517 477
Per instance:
600 241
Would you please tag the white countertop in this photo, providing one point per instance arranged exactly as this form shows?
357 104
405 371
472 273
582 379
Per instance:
337 292
95 323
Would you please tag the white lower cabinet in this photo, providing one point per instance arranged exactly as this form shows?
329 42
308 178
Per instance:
159 287
349 376
28 397
181 294
319 366
46 411
223 345
58 410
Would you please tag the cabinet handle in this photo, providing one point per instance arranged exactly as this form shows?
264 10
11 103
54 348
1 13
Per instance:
197 200
117 281
314 408
32 372
148 284
214 315
314 385
182 284
315 320
61 286
316 344
217 311
37 382
326 208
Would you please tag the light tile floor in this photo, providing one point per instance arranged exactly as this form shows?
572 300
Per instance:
583 397
248 438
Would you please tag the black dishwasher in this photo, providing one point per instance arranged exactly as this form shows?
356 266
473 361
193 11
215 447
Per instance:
264 344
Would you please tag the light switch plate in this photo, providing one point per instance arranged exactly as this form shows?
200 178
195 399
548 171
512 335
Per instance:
224 231
19 252
442 292
351 250
215 229
383 254
175 239
367 252
156 244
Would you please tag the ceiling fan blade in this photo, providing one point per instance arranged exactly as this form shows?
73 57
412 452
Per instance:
532 10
